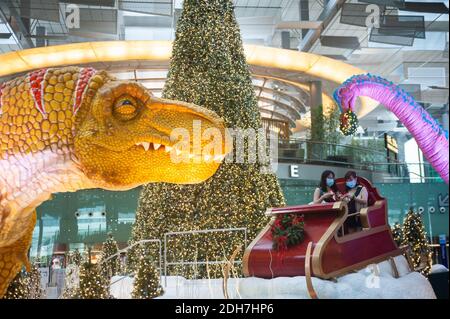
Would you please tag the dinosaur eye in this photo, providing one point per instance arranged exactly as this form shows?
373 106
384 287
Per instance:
126 108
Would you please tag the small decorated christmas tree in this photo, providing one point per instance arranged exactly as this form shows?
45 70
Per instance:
146 281
110 264
397 233
26 285
72 278
76 258
415 237
92 284
17 288
33 281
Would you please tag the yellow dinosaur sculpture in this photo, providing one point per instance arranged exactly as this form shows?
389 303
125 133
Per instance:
66 129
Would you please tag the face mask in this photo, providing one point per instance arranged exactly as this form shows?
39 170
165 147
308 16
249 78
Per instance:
330 182
351 184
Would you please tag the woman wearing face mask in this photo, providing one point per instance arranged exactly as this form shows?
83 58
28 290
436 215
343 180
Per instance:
356 198
327 192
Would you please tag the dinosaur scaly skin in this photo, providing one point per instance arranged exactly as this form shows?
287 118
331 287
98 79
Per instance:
73 128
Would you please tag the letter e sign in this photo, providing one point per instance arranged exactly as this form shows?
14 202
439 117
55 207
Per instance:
294 171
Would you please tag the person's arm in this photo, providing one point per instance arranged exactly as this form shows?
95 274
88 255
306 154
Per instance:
319 199
363 197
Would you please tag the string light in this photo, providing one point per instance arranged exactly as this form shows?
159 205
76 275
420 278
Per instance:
26 285
111 266
76 258
349 123
287 230
72 276
397 233
92 284
415 237
147 281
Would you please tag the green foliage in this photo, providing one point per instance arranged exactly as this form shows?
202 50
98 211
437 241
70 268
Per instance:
208 68
317 124
72 282
17 288
349 123
76 258
35 290
397 233
111 266
26 285
331 126
72 275
92 284
324 128
373 150
89 283
415 237
287 230
376 144
146 281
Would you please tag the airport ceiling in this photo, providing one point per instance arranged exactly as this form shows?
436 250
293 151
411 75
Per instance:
415 54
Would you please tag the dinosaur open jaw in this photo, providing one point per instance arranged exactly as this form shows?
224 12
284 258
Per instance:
174 151
153 146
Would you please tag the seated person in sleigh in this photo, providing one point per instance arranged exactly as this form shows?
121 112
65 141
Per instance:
356 198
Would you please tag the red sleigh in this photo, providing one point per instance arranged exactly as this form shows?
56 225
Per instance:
326 251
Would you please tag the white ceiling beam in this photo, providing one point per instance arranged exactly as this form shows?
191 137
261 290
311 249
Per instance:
290 25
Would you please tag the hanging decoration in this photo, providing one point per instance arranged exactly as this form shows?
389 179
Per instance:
431 138
349 123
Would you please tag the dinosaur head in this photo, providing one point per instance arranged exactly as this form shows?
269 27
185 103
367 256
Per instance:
125 137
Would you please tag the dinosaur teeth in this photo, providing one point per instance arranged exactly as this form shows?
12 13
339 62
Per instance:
146 146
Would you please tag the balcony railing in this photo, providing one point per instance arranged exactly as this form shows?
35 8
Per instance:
353 157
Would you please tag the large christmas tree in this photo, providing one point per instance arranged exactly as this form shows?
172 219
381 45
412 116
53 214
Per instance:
208 68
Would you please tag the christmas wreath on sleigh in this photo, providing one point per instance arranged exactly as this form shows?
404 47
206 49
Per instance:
287 230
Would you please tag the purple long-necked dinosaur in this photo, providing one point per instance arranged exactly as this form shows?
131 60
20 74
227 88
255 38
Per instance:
430 136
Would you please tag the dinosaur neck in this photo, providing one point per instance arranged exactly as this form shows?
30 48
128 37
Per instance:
27 180
427 132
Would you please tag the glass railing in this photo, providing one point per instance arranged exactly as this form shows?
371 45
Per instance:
354 157
314 151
